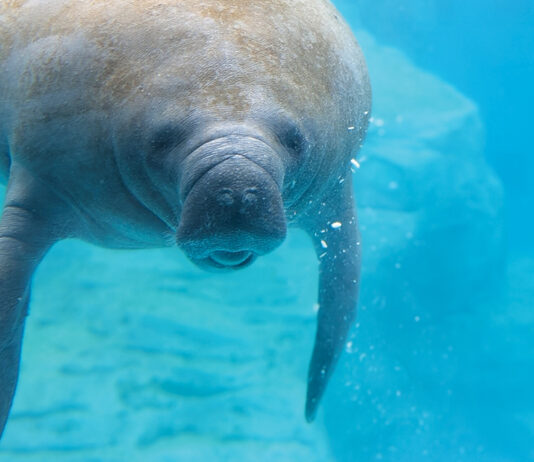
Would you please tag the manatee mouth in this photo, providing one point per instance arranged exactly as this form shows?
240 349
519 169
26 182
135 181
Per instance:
230 260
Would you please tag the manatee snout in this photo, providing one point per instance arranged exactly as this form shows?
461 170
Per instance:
232 213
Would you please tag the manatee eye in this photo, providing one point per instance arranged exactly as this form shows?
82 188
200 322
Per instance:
167 137
292 139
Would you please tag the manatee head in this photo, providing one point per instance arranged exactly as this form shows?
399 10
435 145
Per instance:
241 119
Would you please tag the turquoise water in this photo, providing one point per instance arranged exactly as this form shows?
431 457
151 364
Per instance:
140 356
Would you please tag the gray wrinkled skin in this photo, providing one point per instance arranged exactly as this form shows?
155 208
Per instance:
207 124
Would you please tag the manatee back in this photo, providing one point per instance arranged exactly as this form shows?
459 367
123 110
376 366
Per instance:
63 58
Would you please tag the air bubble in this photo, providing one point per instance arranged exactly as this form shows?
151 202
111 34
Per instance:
355 163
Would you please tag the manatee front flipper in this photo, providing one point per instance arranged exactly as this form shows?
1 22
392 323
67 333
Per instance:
333 227
25 236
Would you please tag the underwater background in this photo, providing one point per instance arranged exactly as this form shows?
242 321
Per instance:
140 356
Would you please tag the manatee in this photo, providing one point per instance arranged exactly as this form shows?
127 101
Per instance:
210 125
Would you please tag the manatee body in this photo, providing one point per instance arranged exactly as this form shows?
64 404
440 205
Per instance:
209 125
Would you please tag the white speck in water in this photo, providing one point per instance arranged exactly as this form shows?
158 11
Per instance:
336 225
316 307
355 163
416 318
379 122
350 128
322 255
324 244
393 185
398 393
366 112
349 347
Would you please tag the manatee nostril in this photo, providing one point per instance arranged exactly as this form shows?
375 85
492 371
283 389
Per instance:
250 196
225 197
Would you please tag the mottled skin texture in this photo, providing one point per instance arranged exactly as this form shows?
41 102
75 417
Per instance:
207 124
